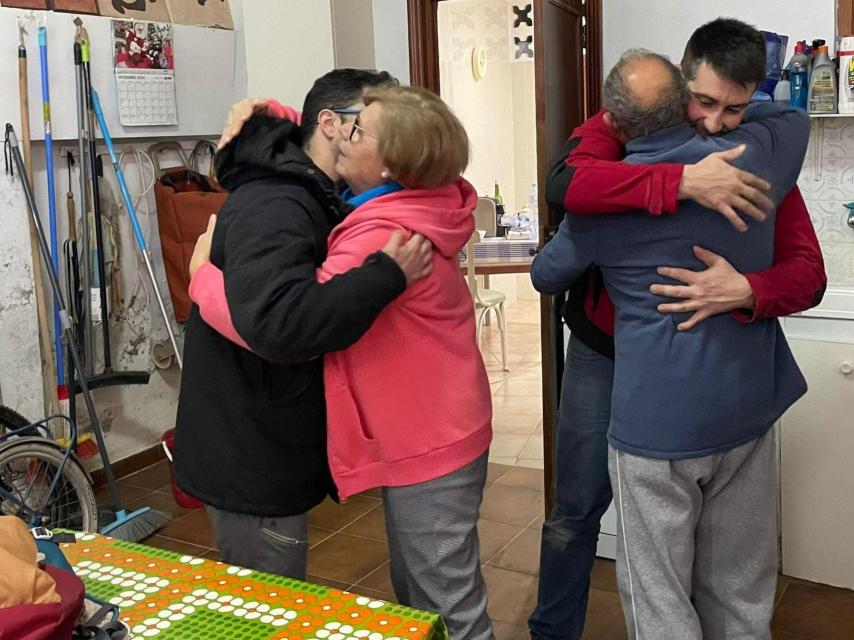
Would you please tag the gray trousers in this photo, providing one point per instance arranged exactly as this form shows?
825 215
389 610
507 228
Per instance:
272 545
434 548
697 543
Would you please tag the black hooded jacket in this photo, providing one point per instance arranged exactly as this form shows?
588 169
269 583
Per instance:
251 429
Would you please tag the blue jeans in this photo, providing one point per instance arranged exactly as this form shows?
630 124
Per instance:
582 494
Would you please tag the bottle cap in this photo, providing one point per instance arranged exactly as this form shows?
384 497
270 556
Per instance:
800 47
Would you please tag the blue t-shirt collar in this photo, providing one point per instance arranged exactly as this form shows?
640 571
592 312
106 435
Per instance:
370 194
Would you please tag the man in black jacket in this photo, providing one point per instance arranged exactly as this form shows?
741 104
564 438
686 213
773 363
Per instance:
251 427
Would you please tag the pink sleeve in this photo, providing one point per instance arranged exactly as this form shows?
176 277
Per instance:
348 250
277 110
207 290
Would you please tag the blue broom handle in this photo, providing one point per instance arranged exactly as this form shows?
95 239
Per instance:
51 193
102 123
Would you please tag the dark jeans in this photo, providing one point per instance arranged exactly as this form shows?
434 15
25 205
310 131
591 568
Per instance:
582 494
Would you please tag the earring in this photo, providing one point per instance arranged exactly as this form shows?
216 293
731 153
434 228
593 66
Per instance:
384 175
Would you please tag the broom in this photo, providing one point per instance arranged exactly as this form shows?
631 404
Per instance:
139 524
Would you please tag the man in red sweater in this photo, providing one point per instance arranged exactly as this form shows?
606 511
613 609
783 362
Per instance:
591 179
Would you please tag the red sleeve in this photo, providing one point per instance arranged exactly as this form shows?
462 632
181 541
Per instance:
276 109
591 178
796 281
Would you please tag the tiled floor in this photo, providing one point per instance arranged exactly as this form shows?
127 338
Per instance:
348 551
517 396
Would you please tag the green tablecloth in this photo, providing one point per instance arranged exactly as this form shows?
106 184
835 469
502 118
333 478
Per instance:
168 596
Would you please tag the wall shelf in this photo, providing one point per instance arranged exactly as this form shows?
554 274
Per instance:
831 115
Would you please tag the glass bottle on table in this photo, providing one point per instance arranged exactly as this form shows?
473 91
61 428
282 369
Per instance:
500 230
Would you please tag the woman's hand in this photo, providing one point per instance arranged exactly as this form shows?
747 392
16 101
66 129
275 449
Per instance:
238 115
202 250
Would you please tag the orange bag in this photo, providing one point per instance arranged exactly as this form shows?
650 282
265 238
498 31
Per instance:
185 200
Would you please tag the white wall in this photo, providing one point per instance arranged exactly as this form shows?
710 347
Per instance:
353 29
391 38
289 44
665 25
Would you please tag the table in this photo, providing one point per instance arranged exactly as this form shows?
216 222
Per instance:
494 268
170 596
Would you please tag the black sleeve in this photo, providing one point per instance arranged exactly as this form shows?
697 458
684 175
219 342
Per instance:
276 303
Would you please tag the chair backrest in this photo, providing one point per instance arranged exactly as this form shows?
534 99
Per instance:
484 216
470 267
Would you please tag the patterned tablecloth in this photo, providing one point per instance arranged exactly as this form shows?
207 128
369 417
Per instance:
168 596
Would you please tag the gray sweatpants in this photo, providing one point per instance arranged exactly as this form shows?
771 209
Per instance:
697 543
434 548
273 545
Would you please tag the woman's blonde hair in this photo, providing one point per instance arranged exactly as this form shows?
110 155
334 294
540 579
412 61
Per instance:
420 140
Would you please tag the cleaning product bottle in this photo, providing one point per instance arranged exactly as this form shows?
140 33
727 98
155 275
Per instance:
846 75
823 94
799 77
500 230
783 92
817 44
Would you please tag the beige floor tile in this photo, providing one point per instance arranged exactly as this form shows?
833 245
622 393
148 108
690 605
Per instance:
533 448
507 445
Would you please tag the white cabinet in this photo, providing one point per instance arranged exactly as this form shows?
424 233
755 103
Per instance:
817 455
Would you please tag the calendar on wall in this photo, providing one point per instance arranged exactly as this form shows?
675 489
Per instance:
145 73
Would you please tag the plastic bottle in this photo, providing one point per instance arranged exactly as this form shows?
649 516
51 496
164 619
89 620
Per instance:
846 75
816 46
823 94
532 205
783 92
799 78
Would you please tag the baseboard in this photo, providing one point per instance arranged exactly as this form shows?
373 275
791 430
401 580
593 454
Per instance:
131 464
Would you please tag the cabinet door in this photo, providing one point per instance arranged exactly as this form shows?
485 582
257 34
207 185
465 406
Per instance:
817 467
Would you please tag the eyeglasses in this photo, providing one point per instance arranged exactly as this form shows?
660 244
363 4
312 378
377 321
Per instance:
354 137
350 111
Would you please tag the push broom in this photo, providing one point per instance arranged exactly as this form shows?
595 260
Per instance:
136 525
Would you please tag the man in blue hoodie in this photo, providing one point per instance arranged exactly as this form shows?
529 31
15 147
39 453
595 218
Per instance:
691 449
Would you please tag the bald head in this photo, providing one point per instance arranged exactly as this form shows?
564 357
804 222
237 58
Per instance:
644 92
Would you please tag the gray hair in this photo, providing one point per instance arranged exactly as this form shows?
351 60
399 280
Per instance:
639 120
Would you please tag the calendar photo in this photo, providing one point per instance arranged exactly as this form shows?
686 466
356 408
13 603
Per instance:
143 45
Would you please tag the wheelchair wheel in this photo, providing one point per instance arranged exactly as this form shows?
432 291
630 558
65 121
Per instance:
28 467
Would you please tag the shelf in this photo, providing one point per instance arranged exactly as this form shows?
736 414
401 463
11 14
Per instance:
831 115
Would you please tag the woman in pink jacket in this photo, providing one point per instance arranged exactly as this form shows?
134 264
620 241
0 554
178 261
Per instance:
409 405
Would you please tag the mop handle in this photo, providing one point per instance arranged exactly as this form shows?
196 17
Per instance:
102 123
51 193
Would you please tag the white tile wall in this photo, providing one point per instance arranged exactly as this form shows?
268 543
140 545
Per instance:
827 183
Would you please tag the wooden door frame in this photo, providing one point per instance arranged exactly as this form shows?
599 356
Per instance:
424 49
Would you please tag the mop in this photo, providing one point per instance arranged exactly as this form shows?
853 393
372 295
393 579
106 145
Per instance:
137 230
139 524
62 390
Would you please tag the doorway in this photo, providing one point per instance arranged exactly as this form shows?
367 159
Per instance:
565 38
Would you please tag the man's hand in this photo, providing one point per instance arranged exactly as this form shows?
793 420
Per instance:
718 289
237 117
202 250
415 257
715 183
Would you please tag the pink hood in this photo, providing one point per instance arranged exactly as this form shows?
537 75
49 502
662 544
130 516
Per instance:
444 215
